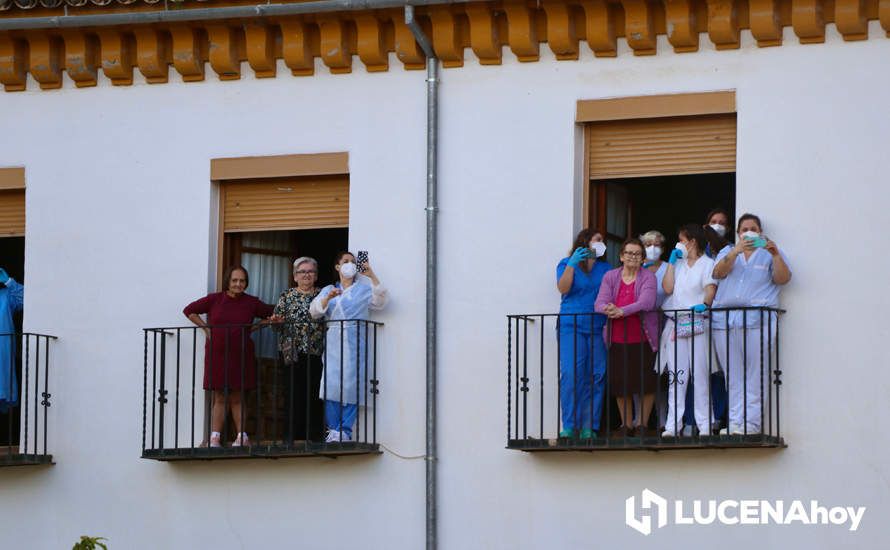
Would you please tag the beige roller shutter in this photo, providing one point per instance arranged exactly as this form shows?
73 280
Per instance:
286 203
662 146
12 213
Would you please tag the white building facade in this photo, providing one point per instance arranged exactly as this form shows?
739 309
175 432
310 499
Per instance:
123 230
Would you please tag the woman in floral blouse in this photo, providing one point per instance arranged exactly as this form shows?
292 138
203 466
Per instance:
301 342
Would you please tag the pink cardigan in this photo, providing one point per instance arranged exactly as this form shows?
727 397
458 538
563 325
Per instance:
644 294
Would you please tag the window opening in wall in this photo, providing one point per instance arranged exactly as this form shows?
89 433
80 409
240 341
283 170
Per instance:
658 173
651 163
268 256
268 223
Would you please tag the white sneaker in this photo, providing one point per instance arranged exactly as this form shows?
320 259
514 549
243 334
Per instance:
732 430
214 440
241 441
332 437
667 433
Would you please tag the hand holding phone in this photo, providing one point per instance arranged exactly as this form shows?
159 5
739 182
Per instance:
757 242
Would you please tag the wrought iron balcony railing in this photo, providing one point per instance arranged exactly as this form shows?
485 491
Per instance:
25 398
281 402
567 389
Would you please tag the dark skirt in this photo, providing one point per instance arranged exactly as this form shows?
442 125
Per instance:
631 369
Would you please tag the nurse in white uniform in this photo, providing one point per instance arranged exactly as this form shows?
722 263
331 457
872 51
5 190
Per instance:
351 298
689 286
750 274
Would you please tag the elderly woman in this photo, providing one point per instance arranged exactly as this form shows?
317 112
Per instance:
751 274
351 298
684 343
627 297
301 342
582 357
229 368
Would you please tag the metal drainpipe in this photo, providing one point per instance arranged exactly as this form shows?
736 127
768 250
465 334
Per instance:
432 119
205 14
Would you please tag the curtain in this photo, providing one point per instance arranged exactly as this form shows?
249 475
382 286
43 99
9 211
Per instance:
269 277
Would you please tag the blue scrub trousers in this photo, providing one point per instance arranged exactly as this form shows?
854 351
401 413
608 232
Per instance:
582 377
340 417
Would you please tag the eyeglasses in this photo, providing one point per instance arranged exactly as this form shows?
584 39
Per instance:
305 272
633 254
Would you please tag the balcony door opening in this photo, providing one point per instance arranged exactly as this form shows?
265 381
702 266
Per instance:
656 170
266 224
12 259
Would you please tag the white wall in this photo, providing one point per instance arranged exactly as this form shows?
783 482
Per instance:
117 239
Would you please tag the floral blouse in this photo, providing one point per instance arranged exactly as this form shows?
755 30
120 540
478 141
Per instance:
299 333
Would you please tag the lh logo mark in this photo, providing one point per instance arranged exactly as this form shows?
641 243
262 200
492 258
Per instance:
649 501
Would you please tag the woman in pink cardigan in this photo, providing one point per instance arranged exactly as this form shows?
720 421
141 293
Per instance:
627 298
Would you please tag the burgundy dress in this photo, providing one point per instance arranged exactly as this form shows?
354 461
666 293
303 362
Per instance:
231 345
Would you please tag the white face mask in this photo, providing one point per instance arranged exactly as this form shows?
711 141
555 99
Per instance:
682 248
653 252
599 248
750 234
348 270
720 229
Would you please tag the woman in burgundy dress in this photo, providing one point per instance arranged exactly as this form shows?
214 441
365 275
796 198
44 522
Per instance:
228 352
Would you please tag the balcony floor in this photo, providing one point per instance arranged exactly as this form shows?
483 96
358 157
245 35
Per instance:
649 443
18 459
330 450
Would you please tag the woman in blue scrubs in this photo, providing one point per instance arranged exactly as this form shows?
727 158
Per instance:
12 297
582 350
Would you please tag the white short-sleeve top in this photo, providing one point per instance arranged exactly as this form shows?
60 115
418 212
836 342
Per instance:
690 283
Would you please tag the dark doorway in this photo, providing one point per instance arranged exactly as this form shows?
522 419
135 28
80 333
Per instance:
629 207
323 245
12 259
621 208
268 256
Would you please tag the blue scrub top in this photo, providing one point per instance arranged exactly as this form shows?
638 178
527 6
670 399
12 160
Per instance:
582 296
750 283
11 301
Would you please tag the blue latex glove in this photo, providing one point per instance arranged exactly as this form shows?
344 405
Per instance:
581 254
3 276
675 255
699 308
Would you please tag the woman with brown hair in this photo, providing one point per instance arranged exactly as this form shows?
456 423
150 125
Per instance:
582 355
229 368
627 298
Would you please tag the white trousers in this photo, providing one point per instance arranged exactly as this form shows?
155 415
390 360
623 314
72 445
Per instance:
744 356
691 356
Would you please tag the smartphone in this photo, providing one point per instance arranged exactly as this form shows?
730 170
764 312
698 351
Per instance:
362 259
758 242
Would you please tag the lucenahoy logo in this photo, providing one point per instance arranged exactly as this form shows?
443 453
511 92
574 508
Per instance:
735 512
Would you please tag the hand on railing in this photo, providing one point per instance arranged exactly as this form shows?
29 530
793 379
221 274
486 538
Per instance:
613 312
